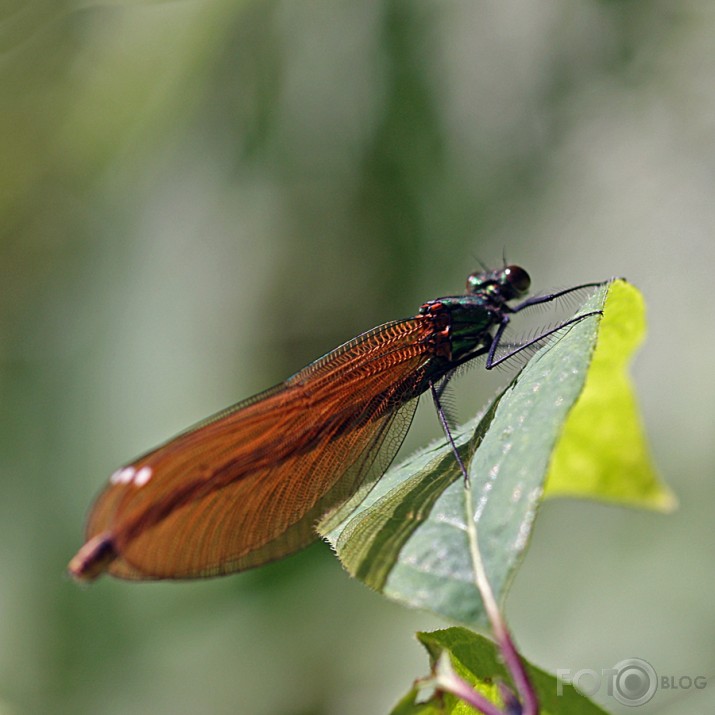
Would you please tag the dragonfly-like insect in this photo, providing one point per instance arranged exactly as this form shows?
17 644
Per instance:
248 485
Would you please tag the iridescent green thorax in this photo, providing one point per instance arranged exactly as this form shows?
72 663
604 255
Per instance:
460 324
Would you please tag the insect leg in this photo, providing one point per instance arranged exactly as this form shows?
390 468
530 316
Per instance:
492 362
538 299
436 392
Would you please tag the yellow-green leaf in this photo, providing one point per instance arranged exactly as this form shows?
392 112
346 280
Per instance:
602 452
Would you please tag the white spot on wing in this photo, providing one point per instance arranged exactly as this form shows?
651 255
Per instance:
143 476
126 475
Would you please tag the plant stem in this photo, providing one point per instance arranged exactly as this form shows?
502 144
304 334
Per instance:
499 627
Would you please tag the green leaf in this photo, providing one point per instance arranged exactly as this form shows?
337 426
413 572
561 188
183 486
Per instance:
477 660
414 538
602 452
410 705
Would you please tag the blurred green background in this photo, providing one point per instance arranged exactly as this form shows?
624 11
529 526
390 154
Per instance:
197 198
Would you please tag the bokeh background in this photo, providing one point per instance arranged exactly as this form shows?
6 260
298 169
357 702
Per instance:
199 197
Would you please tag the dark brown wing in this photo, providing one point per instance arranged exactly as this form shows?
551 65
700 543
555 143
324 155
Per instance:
248 485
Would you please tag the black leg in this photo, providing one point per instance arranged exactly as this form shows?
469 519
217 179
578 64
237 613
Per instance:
537 300
447 431
491 362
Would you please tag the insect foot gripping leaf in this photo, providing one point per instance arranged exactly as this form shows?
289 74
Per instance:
413 538
602 452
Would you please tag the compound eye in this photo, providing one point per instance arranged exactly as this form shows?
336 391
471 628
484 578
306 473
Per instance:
517 278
